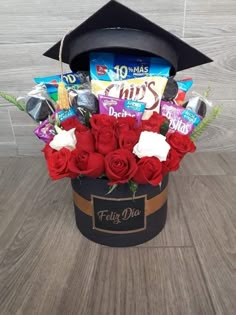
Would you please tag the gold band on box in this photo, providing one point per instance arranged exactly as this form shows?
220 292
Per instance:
151 205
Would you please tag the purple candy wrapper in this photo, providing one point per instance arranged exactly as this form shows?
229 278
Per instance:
181 120
45 131
121 108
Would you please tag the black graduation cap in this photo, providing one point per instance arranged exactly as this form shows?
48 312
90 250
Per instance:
116 28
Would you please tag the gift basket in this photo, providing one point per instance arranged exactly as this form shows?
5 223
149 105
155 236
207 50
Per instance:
120 122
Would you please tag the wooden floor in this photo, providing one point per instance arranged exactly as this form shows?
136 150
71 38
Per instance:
47 267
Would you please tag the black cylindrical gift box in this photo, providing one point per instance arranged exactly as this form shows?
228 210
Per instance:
119 219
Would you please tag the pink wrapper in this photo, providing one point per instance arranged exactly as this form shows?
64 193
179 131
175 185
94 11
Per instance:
120 107
175 114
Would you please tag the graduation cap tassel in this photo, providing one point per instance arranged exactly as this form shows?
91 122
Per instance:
63 97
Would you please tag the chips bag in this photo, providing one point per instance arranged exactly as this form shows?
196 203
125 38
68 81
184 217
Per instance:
127 77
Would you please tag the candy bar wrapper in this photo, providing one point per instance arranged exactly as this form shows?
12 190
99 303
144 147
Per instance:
182 120
121 108
45 131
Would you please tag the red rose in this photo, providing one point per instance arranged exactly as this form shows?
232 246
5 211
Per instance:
120 166
71 123
48 151
105 140
154 123
99 121
58 164
124 124
172 162
87 163
181 143
85 140
149 171
127 140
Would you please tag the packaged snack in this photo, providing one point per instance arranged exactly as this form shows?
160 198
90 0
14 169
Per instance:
147 90
83 98
176 90
45 131
199 104
115 67
171 90
121 108
38 104
181 119
70 79
127 77
64 114
183 87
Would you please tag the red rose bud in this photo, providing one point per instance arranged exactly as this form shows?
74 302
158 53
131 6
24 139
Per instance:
105 140
127 140
85 140
124 124
71 123
172 162
154 123
87 163
58 164
48 151
120 166
181 143
149 171
99 121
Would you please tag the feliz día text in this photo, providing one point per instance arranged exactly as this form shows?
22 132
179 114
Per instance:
116 217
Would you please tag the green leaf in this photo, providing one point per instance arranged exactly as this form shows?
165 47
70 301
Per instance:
50 120
165 128
112 188
12 99
57 120
206 94
103 176
198 131
87 116
133 187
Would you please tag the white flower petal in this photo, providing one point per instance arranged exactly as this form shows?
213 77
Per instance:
64 139
152 144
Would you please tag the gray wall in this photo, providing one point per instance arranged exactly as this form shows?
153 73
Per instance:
29 27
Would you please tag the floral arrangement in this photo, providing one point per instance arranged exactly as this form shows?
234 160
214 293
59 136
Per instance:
116 149
80 141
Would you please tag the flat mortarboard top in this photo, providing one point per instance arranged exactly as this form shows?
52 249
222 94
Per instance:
116 28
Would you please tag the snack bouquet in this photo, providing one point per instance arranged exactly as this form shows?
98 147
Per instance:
117 130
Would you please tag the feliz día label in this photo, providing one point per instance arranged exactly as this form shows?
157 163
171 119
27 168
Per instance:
119 216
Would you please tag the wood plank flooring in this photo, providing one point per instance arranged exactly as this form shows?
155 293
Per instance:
48 267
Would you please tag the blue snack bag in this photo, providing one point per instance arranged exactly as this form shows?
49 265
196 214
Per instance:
115 67
51 82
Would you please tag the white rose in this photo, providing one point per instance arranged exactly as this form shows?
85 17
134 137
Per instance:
64 139
152 144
